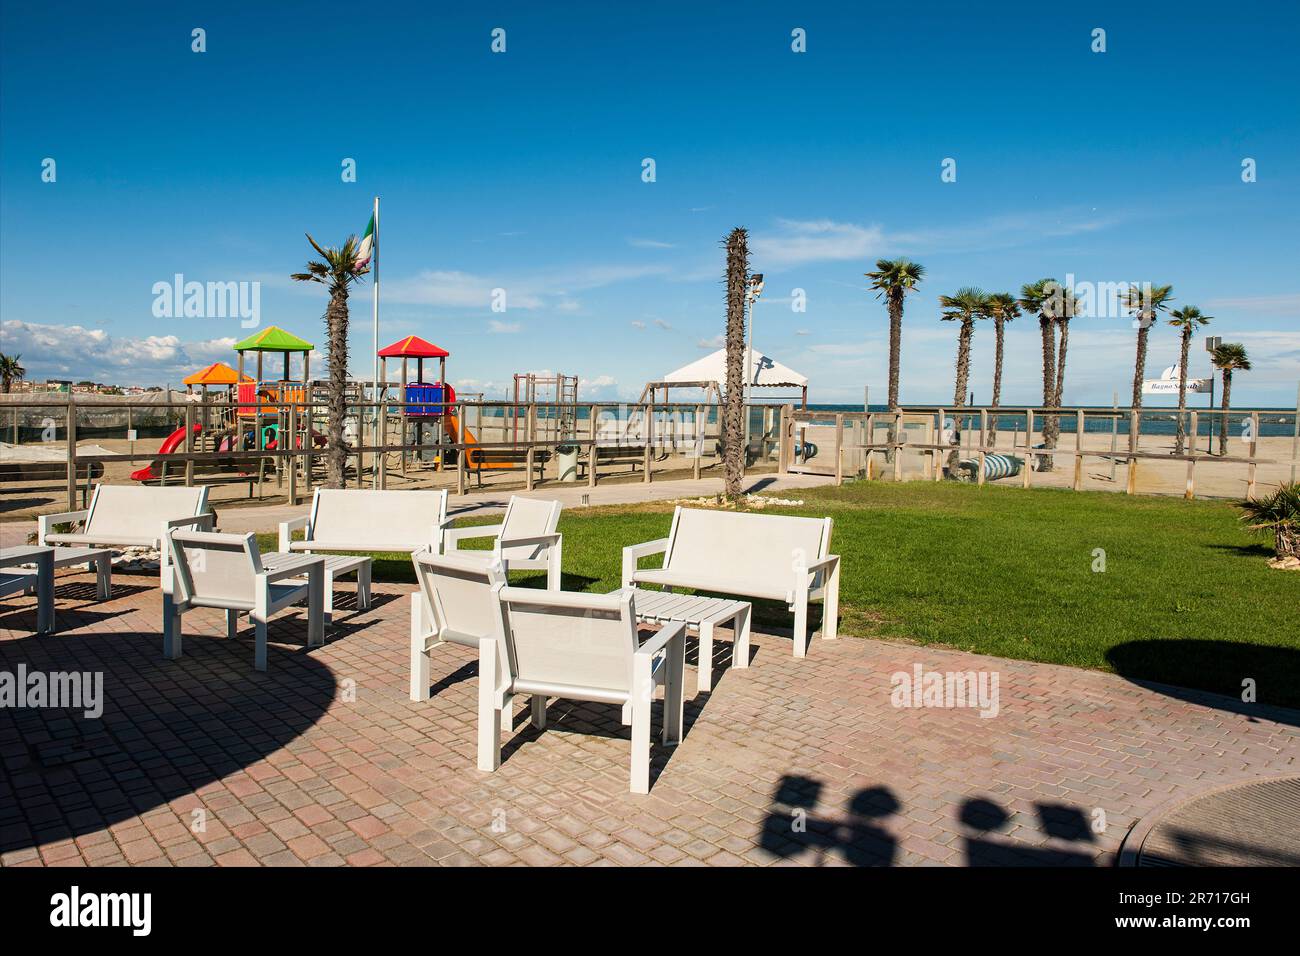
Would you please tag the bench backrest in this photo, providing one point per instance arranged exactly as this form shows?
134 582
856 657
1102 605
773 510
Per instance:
407 519
756 548
568 639
140 510
215 566
527 518
458 592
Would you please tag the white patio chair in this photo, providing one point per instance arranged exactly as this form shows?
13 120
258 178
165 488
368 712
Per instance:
225 571
453 605
526 539
578 647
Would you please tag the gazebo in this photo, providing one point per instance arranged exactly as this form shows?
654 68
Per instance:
709 372
275 339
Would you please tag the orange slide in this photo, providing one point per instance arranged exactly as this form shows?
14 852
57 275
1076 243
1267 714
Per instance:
475 458
169 445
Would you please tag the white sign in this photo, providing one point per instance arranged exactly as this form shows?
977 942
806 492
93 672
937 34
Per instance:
131 434
1164 386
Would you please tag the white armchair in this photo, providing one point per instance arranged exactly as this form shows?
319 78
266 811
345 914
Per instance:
225 571
525 539
453 605
578 647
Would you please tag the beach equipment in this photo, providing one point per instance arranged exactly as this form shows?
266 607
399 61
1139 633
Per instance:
995 466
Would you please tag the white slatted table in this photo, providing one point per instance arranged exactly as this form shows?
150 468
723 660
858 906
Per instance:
335 566
703 614
43 557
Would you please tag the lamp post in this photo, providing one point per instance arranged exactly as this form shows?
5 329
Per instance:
1212 342
752 292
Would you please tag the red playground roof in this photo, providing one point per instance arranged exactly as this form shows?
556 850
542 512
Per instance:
413 347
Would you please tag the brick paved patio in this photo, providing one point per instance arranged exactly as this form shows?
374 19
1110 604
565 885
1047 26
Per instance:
323 760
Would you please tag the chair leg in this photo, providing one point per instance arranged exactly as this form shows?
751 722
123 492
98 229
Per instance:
642 694
363 587
419 656
171 629
319 597
232 624
259 652
489 715
104 577
831 605
801 624
539 711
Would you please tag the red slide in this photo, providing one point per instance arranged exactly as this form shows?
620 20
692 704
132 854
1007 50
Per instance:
169 445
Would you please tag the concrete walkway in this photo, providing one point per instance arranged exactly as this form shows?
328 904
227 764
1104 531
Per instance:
268 517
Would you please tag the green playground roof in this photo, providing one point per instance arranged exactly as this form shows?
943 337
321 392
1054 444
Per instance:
273 339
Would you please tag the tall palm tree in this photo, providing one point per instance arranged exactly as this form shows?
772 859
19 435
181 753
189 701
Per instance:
1002 308
1146 302
965 306
733 407
1067 307
1188 319
1228 358
1040 298
892 280
336 268
10 370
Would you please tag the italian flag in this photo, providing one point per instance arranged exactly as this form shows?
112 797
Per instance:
366 248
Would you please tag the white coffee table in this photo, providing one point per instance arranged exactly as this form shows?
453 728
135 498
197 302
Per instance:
43 557
101 558
703 614
335 566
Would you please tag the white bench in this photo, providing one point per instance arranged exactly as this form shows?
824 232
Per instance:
774 557
371 521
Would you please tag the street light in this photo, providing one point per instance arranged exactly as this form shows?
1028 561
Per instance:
752 292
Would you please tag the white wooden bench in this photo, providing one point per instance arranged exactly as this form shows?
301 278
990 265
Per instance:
371 521
774 557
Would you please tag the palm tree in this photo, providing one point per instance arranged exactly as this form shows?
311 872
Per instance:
10 370
1188 319
337 269
1145 302
1228 358
733 408
965 306
1002 308
1067 307
1039 298
892 280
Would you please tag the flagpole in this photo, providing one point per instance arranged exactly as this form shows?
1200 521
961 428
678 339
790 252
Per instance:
374 270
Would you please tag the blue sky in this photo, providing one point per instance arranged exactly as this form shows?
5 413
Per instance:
522 171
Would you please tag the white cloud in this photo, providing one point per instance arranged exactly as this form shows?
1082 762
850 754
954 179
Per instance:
713 344
637 324
1286 303
660 323
503 328
649 244
798 242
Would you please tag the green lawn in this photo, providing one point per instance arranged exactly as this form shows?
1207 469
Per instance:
1186 597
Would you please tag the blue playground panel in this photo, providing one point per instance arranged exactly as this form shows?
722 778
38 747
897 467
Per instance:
425 399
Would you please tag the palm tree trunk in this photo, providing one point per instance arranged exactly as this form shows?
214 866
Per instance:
1139 372
895 359
733 409
999 332
337 335
959 391
1180 440
1048 330
1223 419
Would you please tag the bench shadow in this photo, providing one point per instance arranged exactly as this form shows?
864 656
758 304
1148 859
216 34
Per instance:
1214 674
167 729
1057 820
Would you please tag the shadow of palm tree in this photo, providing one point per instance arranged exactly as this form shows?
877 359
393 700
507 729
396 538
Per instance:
168 728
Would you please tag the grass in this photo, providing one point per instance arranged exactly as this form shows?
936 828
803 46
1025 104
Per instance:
1186 597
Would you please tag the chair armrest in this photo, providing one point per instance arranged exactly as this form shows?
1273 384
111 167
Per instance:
450 536
203 522
826 562
45 522
666 633
300 564
287 528
633 552
546 539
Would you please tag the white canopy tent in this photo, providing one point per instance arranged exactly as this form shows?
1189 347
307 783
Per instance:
711 371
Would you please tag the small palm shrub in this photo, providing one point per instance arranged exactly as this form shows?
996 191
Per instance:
1279 513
